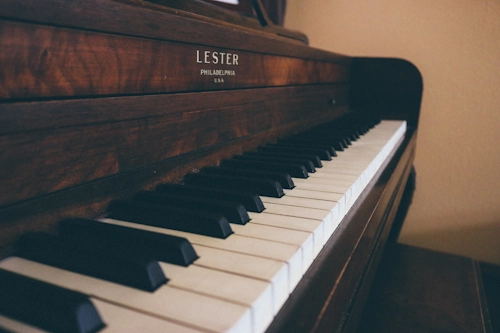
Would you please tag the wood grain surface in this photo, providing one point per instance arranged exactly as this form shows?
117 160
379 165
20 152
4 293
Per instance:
53 145
46 62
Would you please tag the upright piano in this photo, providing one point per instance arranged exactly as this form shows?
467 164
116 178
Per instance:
130 131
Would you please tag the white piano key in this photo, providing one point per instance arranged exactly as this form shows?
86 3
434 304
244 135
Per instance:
299 193
319 180
346 190
332 206
274 271
314 185
322 186
331 186
248 292
301 202
117 319
280 235
287 253
342 169
326 196
293 223
310 213
169 303
346 180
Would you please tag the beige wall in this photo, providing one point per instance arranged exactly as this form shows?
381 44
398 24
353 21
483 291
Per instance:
456 46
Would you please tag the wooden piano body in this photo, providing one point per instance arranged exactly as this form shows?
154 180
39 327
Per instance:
100 99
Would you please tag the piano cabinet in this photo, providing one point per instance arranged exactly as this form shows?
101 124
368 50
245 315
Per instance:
101 99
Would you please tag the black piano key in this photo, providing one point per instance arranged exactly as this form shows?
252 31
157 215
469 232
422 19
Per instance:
311 157
314 159
48 307
338 143
307 164
131 241
331 145
276 147
69 253
283 178
208 224
250 201
269 188
347 142
234 212
293 169
349 136
353 135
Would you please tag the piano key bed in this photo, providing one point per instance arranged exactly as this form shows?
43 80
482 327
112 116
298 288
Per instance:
220 253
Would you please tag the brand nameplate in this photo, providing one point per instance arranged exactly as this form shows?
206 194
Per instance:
228 61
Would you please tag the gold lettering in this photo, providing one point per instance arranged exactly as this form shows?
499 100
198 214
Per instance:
222 58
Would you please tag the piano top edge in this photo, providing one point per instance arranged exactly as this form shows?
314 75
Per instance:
146 21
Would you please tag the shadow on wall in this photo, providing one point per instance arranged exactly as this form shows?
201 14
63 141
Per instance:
472 241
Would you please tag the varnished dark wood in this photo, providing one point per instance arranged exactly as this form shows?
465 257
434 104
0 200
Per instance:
248 14
49 146
46 62
391 88
144 19
422 291
491 282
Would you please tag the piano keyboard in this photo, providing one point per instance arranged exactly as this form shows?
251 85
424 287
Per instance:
240 282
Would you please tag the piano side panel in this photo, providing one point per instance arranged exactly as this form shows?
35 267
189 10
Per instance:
386 87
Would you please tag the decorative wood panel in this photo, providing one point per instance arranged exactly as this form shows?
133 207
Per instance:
53 145
143 19
41 62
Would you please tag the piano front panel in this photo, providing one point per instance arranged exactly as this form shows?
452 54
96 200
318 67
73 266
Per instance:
39 61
